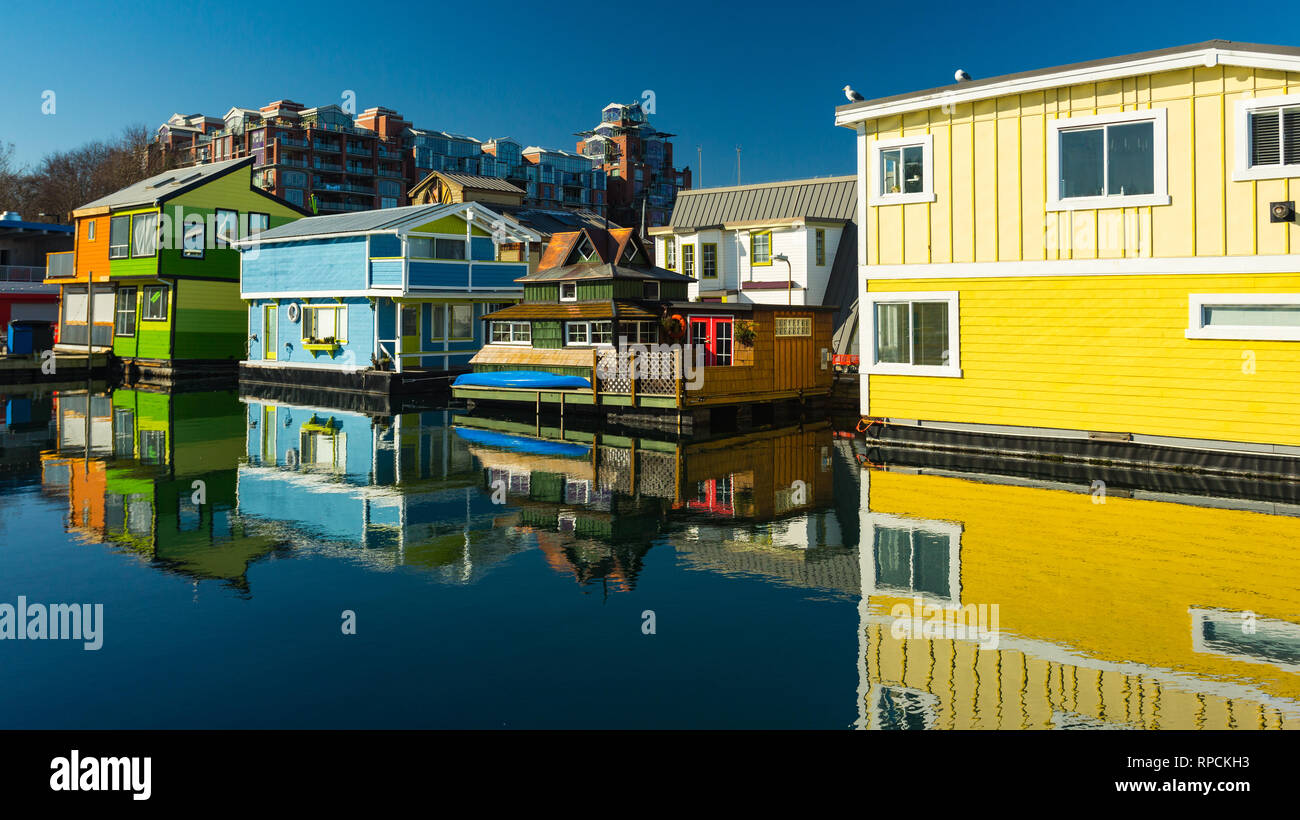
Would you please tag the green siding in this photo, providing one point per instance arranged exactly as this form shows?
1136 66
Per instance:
541 293
153 338
211 321
548 334
593 291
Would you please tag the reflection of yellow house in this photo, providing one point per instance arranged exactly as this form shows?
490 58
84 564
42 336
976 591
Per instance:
1122 613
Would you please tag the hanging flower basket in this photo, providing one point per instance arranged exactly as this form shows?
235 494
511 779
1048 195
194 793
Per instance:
745 333
674 327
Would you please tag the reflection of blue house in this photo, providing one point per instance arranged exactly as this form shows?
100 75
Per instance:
403 488
347 300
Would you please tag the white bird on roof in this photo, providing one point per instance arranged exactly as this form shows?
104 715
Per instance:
852 95
961 76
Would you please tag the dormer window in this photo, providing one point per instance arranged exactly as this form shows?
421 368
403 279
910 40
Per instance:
632 255
586 250
568 291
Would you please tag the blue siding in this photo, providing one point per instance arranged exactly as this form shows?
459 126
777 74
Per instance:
387 319
385 244
498 276
305 267
356 353
482 249
440 275
386 273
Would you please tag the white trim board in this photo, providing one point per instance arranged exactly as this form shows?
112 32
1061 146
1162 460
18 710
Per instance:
1197 329
1159 144
1206 57
1131 266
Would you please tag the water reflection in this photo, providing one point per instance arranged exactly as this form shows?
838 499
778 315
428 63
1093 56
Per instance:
1173 607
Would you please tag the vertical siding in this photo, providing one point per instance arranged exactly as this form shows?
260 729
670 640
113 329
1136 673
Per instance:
991 188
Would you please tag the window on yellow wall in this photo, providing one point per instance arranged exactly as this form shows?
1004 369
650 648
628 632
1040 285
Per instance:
913 333
1107 160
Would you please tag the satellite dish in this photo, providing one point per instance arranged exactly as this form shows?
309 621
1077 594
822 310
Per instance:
294 312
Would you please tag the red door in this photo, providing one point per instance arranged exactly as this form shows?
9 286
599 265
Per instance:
714 333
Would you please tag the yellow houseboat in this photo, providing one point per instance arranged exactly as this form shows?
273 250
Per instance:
1096 253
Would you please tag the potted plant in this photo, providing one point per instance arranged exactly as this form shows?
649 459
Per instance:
745 332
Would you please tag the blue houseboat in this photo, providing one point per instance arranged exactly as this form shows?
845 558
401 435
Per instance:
377 301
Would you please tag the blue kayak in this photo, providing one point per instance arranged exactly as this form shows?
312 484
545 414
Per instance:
522 444
528 379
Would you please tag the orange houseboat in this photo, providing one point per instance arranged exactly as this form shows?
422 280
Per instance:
603 329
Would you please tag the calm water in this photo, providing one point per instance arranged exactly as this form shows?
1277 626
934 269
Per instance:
501 575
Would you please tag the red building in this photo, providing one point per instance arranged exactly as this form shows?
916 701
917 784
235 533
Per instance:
641 182
24 293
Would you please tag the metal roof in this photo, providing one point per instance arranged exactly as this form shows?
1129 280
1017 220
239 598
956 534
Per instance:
29 230
482 183
384 220
1138 58
832 198
165 185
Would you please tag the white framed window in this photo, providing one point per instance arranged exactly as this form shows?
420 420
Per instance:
670 252
1107 161
512 333
325 324
1268 138
568 291
901 170
1247 316
913 334
589 333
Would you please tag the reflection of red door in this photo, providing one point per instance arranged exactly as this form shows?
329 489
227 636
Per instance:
714 333
713 495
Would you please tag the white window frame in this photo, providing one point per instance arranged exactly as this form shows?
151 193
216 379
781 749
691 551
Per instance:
1242 169
1196 329
926 194
572 298
588 333
867 316
1159 148
512 326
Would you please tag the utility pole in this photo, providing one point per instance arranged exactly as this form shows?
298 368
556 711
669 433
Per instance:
737 164
699 166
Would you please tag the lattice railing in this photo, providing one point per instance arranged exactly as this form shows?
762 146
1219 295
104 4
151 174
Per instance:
654 371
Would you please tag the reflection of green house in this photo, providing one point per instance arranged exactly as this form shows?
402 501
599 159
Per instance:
171 488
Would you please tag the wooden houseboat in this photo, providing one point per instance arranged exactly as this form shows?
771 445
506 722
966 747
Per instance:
603 329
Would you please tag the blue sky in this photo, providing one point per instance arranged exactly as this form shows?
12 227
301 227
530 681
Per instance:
766 77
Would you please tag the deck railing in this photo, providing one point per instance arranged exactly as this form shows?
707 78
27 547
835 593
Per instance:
28 273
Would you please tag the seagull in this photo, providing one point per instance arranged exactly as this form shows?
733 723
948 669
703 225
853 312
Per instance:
961 76
852 95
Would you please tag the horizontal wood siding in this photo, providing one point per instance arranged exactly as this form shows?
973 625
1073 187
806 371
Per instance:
1103 353
211 320
296 268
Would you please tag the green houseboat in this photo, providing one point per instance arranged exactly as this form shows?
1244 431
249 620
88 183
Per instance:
602 328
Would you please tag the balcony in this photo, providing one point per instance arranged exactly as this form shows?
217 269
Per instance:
362 150
326 166
333 148
296 163
25 273
357 169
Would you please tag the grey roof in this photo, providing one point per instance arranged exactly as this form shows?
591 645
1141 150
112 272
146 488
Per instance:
547 222
602 270
480 182
373 221
833 198
166 185
1286 51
